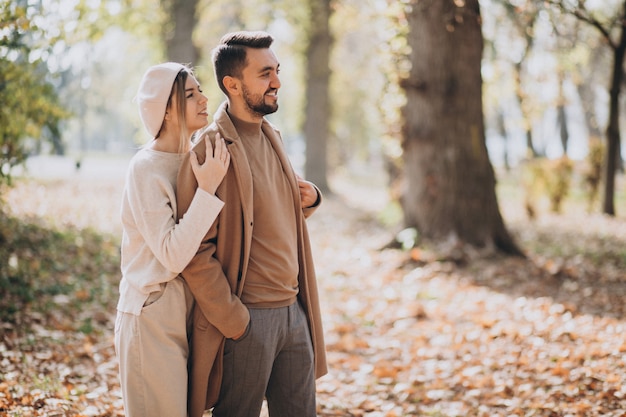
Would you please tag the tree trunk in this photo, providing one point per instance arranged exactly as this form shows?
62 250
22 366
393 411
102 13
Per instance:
526 118
317 107
505 138
561 116
612 131
178 31
586 92
524 20
451 182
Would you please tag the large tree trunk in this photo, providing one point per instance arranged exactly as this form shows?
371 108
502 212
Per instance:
178 31
317 107
612 132
451 182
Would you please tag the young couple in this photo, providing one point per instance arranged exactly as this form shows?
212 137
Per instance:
218 299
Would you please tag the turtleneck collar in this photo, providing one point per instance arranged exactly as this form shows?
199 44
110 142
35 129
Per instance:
245 128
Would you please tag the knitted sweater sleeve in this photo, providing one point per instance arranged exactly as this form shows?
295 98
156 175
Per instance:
151 202
204 274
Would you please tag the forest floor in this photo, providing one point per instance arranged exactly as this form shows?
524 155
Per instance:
408 333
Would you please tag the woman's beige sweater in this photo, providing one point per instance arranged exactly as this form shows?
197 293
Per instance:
155 248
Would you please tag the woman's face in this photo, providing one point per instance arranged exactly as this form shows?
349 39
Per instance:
195 107
196 113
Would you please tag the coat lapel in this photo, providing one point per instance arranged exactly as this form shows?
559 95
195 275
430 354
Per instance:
243 176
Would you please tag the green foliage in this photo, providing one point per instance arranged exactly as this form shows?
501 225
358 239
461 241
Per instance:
546 177
559 181
533 182
592 175
56 272
30 107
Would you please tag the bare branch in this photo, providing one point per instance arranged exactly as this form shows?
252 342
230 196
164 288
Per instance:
581 13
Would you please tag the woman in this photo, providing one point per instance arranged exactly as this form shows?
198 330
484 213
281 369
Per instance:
151 329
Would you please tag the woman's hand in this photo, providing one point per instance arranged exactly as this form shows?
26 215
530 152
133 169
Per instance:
211 173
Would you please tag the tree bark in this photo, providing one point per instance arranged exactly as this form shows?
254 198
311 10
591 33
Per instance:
586 91
178 31
524 21
613 156
520 95
612 131
505 138
317 107
450 180
561 115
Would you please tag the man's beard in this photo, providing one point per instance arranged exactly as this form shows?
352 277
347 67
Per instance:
256 104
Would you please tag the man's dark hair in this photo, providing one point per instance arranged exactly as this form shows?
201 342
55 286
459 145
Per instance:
229 57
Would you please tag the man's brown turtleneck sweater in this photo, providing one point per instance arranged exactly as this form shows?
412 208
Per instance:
272 279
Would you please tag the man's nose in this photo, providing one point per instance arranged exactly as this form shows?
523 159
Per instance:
275 82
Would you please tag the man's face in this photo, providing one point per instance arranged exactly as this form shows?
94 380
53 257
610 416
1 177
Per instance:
260 82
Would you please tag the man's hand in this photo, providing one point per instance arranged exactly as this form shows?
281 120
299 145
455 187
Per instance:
240 335
308 193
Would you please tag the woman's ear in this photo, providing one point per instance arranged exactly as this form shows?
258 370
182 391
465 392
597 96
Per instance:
169 111
232 85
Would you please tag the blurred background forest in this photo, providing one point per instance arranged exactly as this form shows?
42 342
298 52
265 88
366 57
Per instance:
70 69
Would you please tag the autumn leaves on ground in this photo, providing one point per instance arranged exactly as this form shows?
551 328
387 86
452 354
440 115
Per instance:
409 333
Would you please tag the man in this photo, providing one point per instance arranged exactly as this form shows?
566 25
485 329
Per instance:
257 323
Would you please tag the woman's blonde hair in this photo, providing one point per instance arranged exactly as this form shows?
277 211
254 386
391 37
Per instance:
178 95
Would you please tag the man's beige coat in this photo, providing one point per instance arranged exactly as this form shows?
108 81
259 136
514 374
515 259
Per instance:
217 273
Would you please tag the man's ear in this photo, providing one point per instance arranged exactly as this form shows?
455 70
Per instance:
232 85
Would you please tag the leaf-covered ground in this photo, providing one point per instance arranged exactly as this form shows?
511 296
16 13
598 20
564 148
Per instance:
408 333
